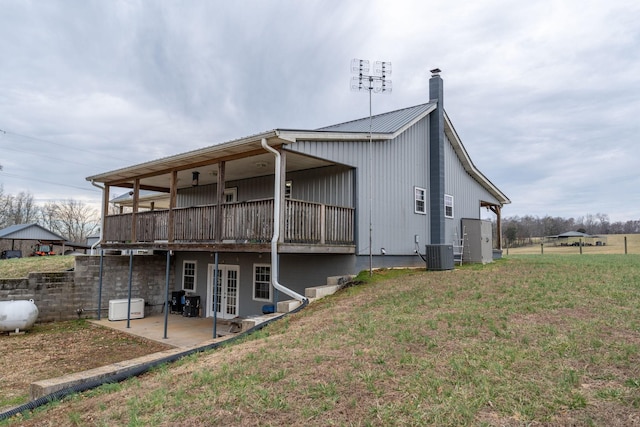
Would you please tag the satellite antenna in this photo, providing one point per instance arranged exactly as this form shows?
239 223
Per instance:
372 81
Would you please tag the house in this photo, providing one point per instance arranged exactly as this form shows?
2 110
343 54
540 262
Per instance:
285 209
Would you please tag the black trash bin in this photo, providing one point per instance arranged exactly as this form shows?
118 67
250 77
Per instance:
191 306
177 301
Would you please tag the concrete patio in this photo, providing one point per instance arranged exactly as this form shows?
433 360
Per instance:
183 332
188 332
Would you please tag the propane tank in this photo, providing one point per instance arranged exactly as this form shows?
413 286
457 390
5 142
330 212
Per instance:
17 315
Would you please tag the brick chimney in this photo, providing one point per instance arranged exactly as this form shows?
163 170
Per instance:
436 159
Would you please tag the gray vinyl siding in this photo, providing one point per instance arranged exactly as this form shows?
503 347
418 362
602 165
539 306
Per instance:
332 185
398 165
467 193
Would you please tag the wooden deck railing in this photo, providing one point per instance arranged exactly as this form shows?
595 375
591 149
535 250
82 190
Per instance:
246 222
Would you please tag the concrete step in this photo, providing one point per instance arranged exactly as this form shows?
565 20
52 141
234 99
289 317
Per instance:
321 291
334 283
340 280
288 305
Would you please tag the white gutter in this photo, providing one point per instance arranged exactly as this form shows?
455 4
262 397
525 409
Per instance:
102 213
276 228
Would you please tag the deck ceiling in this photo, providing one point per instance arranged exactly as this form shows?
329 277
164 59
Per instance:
246 167
243 159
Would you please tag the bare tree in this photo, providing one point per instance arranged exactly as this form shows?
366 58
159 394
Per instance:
3 208
18 209
72 219
603 227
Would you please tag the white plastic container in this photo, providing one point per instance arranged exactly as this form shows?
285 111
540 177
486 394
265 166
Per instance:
118 309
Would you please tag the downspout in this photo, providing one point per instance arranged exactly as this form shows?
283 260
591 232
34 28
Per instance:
93 248
276 229
102 213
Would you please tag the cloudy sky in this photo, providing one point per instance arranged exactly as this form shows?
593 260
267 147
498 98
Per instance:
545 95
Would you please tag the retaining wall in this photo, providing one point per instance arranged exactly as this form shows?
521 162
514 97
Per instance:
73 294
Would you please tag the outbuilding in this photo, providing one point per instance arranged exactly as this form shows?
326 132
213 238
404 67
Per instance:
30 232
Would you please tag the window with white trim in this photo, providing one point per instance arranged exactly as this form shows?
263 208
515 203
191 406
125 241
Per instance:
231 195
448 206
262 282
420 200
189 273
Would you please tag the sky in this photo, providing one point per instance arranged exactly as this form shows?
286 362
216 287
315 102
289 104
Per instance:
545 95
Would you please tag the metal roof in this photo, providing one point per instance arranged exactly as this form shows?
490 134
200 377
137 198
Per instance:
228 149
390 122
574 234
29 232
246 152
146 197
383 123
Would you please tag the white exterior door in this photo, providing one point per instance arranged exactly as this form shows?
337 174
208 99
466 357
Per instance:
226 291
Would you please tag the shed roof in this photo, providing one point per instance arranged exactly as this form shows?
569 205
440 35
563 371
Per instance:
574 234
29 232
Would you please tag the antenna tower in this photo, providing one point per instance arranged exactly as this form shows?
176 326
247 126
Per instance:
372 82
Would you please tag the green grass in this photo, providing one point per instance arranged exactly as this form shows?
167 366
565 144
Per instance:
17 268
528 339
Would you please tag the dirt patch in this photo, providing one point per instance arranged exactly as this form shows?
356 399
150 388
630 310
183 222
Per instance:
53 349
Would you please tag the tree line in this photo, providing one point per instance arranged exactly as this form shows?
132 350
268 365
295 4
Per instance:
521 230
72 219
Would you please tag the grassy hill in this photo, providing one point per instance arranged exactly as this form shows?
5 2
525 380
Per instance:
16 268
526 340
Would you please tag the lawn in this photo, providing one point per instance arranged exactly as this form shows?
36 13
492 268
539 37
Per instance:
528 340
16 268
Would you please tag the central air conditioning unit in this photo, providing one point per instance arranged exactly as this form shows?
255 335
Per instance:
439 257
118 309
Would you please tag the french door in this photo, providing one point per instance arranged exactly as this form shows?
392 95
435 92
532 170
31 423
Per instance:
226 291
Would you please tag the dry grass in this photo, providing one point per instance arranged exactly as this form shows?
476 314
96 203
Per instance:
615 245
50 350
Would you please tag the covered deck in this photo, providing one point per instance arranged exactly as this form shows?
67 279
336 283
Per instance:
195 208
305 224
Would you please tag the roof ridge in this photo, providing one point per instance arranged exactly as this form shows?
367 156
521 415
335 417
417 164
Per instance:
374 116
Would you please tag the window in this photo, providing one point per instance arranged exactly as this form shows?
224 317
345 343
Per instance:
231 195
262 282
287 189
189 276
420 197
448 206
